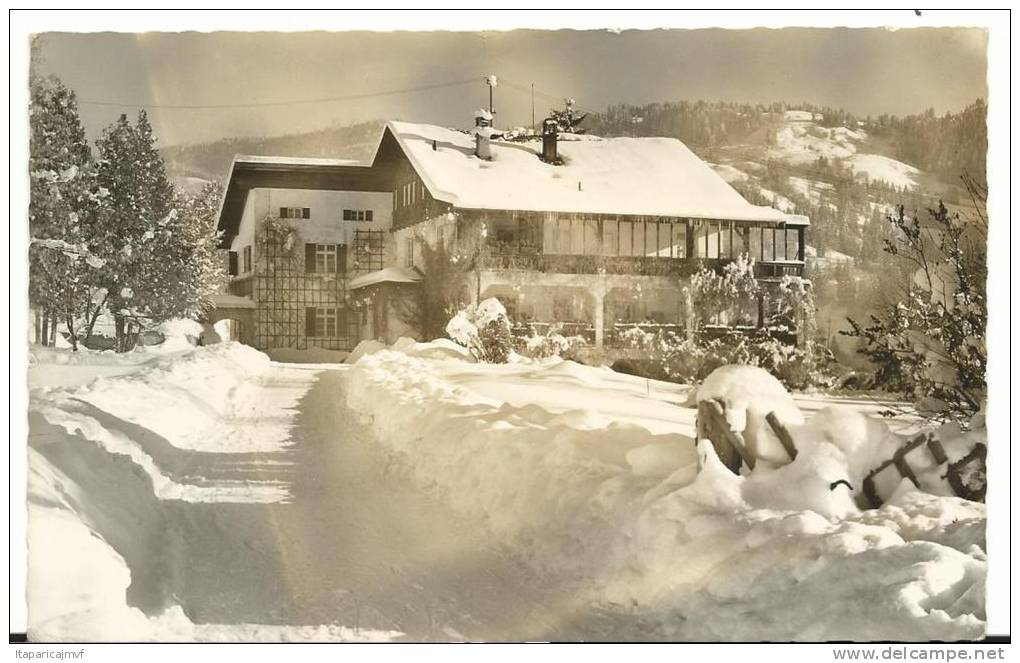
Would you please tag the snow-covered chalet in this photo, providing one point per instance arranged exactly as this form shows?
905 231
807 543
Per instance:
595 234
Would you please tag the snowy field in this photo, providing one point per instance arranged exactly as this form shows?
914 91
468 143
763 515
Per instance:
802 141
596 474
215 495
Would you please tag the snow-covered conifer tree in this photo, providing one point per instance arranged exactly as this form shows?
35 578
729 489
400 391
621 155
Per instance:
164 245
568 119
67 207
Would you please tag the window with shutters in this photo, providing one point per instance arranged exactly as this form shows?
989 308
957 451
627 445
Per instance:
295 213
232 263
325 322
246 263
326 258
357 215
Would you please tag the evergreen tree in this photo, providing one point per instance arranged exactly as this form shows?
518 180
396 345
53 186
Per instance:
568 119
65 209
163 246
191 267
129 214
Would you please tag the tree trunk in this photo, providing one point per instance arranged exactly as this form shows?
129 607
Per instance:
53 330
91 323
118 325
71 333
40 328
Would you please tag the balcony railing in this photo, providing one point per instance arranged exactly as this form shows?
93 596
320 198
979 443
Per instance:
630 265
619 335
585 330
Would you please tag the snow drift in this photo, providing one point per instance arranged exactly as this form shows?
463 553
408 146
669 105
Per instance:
699 555
117 467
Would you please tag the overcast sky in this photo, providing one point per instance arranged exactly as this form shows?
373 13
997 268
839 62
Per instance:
867 71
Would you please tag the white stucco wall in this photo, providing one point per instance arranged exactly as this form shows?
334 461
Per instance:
246 229
430 231
326 224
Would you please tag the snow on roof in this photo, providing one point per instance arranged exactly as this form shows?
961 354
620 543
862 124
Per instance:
387 275
295 161
224 300
640 176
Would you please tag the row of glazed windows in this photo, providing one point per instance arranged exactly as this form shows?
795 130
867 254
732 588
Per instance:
649 238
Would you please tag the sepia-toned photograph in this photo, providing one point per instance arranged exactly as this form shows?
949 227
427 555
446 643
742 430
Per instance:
508 335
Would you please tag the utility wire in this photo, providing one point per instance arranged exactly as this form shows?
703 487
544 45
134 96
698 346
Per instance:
556 99
348 97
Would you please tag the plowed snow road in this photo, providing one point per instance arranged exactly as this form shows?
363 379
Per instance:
361 545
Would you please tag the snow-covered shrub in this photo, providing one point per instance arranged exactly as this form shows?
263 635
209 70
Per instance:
484 330
688 360
730 297
930 345
636 338
550 344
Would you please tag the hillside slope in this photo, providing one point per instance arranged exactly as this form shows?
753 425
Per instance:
210 161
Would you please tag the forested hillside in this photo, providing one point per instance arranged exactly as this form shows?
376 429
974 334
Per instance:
944 145
211 161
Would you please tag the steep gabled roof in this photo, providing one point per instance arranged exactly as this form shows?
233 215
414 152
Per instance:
633 176
253 172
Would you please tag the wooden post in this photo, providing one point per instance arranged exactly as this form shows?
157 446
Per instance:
783 434
938 452
729 445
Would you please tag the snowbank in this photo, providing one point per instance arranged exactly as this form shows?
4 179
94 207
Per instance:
185 397
80 597
703 554
119 469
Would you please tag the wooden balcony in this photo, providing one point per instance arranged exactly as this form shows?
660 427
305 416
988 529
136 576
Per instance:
629 265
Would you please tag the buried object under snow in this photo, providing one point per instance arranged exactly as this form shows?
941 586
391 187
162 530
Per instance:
752 421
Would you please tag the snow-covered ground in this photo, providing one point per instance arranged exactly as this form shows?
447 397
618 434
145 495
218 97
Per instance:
810 189
211 494
596 475
780 202
801 141
137 465
883 169
729 173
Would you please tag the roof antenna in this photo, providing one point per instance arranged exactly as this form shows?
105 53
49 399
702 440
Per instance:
492 82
